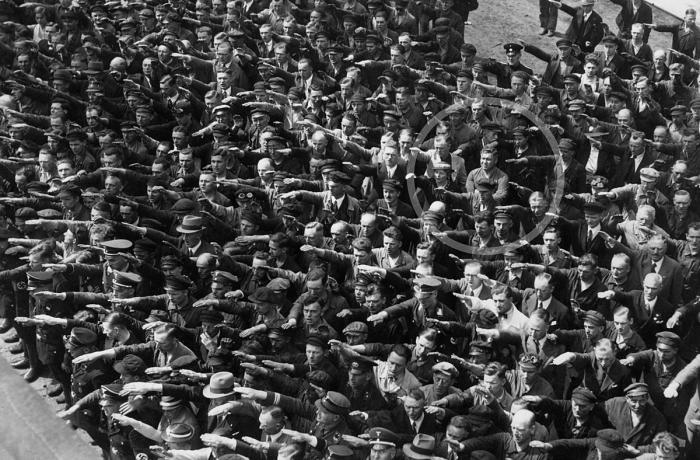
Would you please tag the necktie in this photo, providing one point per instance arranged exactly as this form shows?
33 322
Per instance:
540 305
589 239
537 346
655 267
415 426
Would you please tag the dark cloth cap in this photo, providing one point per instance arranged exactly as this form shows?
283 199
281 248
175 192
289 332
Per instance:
486 319
38 186
637 389
251 216
339 177
567 144
362 244
668 338
316 341
595 318
264 294
356 327
82 336
63 74
146 244
183 206
392 184
130 365
583 396
178 282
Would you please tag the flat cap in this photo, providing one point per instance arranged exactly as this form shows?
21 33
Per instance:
583 395
609 441
279 284
595 318
446 368
82 336
668 338
356 327
264 294
649 174
130 365
637 389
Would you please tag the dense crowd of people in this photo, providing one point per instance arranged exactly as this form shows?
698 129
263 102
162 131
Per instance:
337 229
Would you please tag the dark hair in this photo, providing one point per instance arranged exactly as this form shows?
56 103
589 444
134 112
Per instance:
402 350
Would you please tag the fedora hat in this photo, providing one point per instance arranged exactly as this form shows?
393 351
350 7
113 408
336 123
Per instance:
421 448
190 224
220 385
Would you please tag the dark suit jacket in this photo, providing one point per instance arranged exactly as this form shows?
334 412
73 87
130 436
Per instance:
615 381
647 324
586 35
626 173
575 236
560 316
397 421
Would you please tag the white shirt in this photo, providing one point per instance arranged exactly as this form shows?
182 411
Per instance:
514 319
657 265
586 16
592 163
